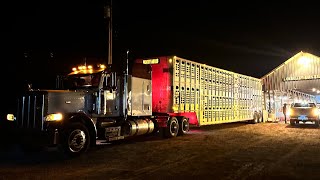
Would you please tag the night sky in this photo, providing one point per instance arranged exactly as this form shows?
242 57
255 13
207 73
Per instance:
250 38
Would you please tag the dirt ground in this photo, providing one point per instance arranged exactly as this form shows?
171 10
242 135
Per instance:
228 151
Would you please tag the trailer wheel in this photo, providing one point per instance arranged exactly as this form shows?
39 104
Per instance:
76 139
316 122
255 117
172 128
183 126
292 122
260 117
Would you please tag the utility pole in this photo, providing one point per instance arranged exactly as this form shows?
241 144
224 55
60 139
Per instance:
108 17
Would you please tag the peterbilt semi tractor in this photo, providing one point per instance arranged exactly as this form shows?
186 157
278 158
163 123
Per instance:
163 94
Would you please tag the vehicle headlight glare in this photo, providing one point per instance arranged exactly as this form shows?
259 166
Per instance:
54 117
10 117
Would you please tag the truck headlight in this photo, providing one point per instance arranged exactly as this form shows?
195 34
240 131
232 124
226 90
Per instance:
53 117
10 117
316 112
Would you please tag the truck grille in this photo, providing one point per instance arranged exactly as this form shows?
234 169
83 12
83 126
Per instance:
31 109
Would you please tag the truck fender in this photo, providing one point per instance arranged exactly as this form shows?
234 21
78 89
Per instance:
84 119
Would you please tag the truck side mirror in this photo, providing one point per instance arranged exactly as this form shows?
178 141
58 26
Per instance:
114 81
110 82
107 82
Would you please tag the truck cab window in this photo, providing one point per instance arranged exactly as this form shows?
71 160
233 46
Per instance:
83 81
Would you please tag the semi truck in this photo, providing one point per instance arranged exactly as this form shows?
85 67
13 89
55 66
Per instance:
165 94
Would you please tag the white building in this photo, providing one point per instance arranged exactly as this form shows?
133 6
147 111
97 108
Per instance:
295 80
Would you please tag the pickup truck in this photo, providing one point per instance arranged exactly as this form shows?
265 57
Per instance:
304 112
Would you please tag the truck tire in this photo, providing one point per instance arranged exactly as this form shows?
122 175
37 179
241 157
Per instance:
76 139
260 117
292 122
255 118
172 128
183 126
316 122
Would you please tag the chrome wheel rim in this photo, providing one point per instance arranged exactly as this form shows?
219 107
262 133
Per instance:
185 126
174 127
77 140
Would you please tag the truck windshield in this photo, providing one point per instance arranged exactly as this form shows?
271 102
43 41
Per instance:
304 105
82 81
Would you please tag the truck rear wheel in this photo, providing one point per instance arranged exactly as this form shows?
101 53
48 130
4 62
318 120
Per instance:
292 122
172 128
183 126
76 139
316 122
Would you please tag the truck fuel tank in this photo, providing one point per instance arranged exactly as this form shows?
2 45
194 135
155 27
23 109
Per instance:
136 127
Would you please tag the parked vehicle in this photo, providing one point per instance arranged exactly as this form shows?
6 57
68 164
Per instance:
113 102
304 112
164 94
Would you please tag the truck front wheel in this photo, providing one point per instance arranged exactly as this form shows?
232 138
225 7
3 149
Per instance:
76 139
